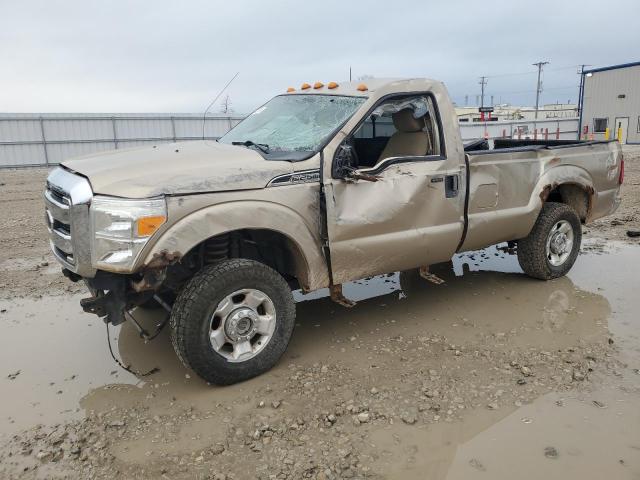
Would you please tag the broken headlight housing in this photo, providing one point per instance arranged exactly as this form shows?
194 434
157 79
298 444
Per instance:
120 228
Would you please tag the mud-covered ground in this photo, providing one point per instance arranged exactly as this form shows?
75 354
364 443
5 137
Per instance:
490 375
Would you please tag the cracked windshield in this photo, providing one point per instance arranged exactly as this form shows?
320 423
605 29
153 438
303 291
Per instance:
295 123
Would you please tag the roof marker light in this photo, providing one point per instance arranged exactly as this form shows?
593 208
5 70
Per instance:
291 89
318 85
305 86
332 85
362 87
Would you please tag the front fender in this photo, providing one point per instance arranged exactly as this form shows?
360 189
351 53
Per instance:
190 230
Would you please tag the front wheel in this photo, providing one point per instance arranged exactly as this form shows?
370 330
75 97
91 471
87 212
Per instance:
552 246
232 321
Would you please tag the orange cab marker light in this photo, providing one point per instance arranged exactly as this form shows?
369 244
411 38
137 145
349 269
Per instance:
332 85
318 85
148 225
305 86
291 89
362 87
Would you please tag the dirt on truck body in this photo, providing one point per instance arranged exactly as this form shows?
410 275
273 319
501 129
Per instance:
312 190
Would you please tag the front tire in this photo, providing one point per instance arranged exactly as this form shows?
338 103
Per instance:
232 321
552 246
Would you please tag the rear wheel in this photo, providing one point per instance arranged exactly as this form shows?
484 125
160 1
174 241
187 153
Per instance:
552 246
233 321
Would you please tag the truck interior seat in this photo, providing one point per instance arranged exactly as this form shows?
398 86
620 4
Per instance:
410 138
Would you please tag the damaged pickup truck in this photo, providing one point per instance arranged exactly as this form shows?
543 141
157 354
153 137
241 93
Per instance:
320 186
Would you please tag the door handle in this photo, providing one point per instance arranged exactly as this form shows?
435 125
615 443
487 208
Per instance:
451 186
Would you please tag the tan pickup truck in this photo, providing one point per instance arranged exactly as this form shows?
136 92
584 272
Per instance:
320 186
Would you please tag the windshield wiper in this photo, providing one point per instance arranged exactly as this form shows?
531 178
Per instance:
263 147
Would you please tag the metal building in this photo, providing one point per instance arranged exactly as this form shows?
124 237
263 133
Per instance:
610 99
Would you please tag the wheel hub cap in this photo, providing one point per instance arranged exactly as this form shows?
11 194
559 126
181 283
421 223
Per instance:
242 324
560 243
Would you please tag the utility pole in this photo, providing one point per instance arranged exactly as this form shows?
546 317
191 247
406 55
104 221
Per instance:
539 86
482 82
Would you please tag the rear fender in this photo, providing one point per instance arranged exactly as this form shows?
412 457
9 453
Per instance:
558 177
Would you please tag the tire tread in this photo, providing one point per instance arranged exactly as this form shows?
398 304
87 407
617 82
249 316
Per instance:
532 249
192 304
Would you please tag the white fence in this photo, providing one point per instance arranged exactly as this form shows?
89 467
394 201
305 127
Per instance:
552 129
47 139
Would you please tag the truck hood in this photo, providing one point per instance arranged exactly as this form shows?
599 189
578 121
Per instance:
177 168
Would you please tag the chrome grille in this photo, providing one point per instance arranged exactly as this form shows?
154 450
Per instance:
59 222
67 197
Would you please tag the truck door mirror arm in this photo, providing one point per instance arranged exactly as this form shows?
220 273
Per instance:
345 164
344 161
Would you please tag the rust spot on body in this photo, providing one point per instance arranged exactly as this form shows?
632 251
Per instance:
544 194
154 272
163 259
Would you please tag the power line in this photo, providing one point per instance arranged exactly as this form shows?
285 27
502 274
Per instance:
509 74
569 67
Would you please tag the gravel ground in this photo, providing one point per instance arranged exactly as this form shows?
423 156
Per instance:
393 388
627 217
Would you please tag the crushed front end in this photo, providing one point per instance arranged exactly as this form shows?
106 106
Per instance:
98 239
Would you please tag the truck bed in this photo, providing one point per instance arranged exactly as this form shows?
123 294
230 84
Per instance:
500 182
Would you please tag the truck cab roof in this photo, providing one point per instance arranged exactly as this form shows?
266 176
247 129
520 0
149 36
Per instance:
373 86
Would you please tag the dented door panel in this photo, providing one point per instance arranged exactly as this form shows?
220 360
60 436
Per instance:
408 217
399 222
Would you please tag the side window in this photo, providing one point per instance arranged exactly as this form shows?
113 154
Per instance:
600 124
403 126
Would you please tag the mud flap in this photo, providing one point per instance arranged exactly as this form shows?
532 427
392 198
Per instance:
337 296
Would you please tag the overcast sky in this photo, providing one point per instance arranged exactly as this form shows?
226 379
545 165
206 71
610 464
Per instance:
173 56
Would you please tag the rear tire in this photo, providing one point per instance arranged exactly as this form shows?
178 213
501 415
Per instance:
232 321
552 246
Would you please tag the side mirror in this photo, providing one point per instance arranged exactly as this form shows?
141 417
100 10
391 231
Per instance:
344 162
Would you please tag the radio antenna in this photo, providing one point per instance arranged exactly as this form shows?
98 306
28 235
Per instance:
204 116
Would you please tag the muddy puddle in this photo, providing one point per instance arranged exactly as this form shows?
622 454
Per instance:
56 366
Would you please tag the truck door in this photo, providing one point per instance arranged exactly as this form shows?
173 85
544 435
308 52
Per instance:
398 203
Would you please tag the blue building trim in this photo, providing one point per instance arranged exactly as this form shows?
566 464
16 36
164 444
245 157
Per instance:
613 67
581 103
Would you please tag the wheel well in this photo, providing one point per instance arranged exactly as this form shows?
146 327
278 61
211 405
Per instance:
578 197
266 246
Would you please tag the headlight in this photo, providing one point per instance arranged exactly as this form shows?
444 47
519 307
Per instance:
120 228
